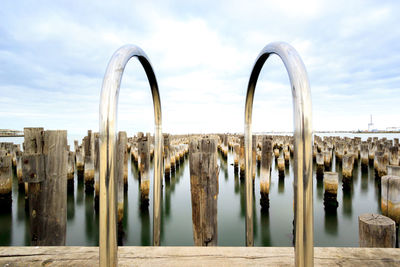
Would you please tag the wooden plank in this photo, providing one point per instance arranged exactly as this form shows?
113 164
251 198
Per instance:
196 256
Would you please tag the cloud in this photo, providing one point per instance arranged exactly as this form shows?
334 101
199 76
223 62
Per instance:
54 54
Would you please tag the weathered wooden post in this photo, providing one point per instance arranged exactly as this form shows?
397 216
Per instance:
394 155
204 190
331 180
265 174
390 197
375 230
45 162
80 163
144 167
380 164
347 167
236 156
320 165
327 158
89 161
364 156
120 166
70 170
5 180
241 158
393 170
167 157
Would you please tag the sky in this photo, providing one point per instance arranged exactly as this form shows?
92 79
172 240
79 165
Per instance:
53 56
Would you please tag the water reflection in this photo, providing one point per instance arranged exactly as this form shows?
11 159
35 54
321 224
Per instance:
331 222
320 188
265 228
70 205
91 231
281 185
145 225
347 198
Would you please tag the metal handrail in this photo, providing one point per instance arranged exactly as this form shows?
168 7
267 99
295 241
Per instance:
108 126
303 194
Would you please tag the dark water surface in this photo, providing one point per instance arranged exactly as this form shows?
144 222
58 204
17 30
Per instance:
273 228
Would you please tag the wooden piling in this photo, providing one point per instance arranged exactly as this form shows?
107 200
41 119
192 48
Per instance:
5 181
45 162
393 170
89 161
21 184
347 166
120 166
265 173
79 159
375 230
167 157
364 156
144 167
70 169
281 167
331 181
394 156
380 164
204 190
390 197
320 164
236 156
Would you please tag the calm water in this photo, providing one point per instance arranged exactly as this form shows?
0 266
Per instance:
273 228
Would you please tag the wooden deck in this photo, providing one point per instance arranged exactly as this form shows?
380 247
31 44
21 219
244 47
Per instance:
197 256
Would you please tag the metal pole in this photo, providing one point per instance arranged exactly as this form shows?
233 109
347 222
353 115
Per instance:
108 126
303 194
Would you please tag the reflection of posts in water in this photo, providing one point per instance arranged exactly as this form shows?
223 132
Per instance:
375 230
90 229
331 222
120 172
144 167
204 190
281 185
390 197
265 172
145 226
347 198
364 182
70 205
44 167
6 228
265 228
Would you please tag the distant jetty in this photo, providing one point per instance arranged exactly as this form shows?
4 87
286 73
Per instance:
11 133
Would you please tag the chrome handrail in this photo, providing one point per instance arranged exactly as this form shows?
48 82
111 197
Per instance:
303 194
108 126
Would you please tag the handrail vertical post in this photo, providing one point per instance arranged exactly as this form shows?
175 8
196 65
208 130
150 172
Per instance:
107 128
303 194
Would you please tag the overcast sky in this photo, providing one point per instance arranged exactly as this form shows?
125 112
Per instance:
53 56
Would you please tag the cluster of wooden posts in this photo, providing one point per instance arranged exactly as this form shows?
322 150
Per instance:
46 169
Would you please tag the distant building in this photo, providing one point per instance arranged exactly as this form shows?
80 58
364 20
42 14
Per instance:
393 129
371 126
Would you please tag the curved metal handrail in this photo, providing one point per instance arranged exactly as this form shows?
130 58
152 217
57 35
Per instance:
108 127
303 199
